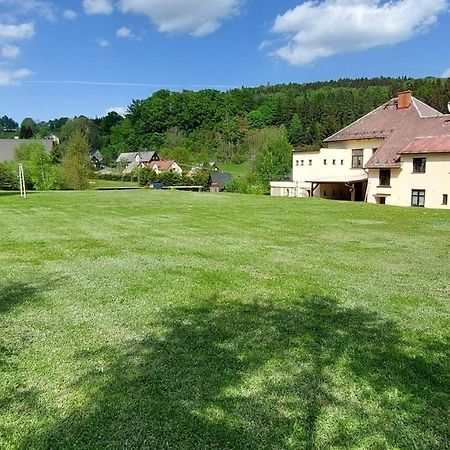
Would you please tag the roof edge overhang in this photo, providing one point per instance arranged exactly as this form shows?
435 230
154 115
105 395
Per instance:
358 179
383 166
422 152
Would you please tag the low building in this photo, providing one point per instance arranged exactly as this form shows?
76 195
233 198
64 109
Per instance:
131 161
219 179
9 146
165 166
398 154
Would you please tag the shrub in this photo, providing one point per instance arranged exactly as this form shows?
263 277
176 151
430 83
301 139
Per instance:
8 177
40 173
248 185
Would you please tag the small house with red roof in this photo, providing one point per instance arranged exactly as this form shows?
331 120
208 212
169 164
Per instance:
165 166
398 154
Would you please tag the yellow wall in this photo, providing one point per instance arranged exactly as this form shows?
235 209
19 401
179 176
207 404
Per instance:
435 181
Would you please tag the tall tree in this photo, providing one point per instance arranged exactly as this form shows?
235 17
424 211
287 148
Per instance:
75 164
275 160
296 131
28 128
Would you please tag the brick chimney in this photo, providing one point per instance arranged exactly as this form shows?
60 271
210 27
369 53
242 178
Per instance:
404 100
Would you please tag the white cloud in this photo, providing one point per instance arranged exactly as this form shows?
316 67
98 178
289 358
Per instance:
9 77
102 42
319 29
196 17
27 7
70 14
9 51
124 32
446 74
121 110
98 6
21 31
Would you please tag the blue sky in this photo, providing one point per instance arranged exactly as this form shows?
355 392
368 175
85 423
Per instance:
72 57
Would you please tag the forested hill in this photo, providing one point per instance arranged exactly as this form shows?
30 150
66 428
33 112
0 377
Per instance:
233 125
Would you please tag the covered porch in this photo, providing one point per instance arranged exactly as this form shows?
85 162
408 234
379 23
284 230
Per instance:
346 188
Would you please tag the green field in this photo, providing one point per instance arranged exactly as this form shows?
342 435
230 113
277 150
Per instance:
171 320
95 184
236 170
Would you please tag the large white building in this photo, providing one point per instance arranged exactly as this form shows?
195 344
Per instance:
398 154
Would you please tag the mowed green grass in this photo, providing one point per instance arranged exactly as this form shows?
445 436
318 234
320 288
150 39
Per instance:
172 320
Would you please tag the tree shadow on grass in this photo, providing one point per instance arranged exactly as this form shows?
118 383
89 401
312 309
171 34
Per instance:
14 294
312 375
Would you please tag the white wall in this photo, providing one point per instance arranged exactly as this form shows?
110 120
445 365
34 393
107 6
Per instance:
308 166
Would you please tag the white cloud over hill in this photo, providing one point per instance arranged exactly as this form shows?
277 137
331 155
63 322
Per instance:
319 29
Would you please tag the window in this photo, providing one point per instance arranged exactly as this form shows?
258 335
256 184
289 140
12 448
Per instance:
385 177
418 197
324 193
342 162
419 165
296 162
382 200
310 162
302 162
324 162
334 162
445 199
357 157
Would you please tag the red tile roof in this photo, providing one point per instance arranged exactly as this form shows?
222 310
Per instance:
396 127
429 144
162 165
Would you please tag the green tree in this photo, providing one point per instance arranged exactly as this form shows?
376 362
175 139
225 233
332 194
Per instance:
38 167
275 159
8 124
296 131
28 128
75 164
84 126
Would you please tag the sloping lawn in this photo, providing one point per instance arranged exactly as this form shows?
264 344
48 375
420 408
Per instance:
173 320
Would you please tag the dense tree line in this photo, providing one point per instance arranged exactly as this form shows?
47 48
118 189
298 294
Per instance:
235 125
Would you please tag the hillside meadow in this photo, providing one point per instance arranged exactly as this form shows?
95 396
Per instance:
176 320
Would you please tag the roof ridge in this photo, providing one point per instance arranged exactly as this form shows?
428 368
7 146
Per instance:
415 99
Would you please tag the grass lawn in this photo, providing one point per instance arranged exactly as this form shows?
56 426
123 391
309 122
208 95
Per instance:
144 319
93 184
236 169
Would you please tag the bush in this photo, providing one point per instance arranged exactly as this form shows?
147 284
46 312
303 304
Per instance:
248 185
8 177
40 173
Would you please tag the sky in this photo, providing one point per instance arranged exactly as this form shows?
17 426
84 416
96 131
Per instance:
63 58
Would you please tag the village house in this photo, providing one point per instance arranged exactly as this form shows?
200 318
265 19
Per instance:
165 166
131 161
96 159
398 154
